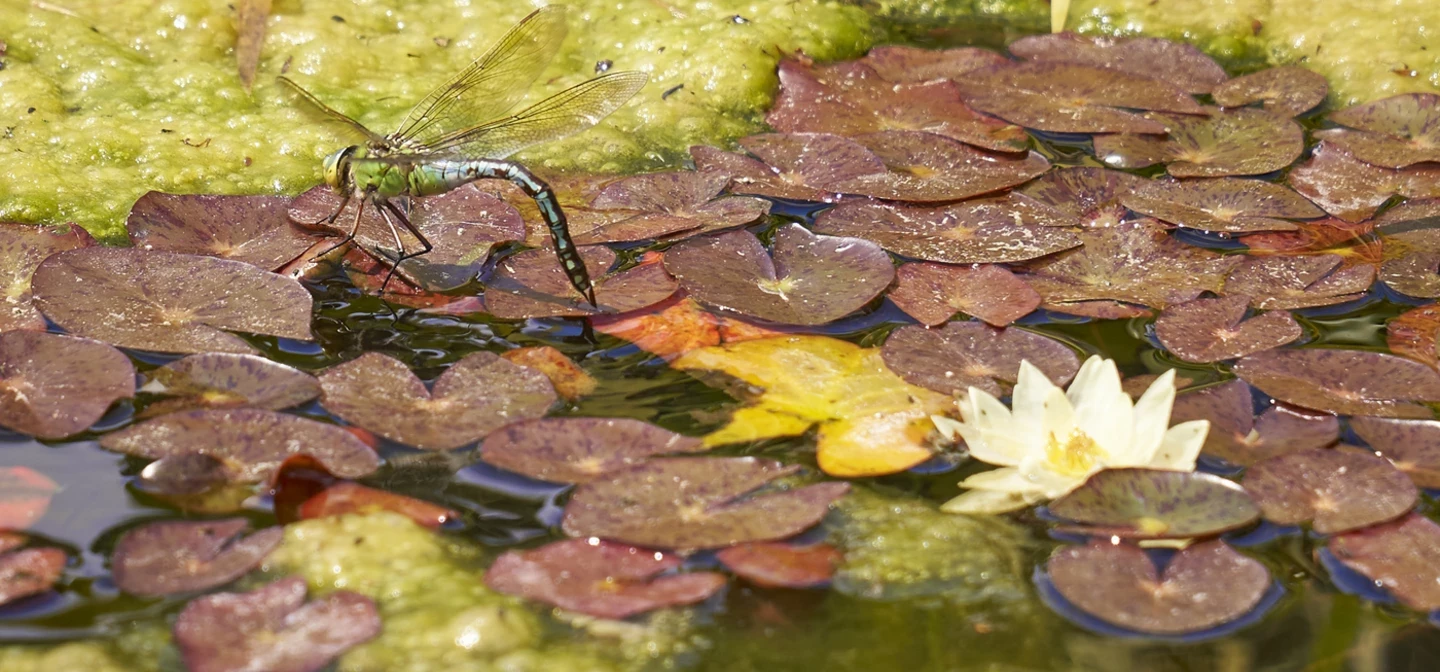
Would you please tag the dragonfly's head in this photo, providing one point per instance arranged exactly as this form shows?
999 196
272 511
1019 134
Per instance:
337 167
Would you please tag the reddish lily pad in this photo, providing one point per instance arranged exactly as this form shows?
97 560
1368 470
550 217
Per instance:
22 248
851 99
1072 98
1299 282
1412 253
1402 556
1413 334
251 442
779 565
1090 194
533 284
600 578
24 497
252 229
1238 437
475 396
924 167
1288 90
10 541
657 205
696 502
962 355
570 381
166 301
29 571
1346 382
1210 330
1243 141
273 628
352 498
1393 132
1351 189
1413 446
796 166
678 325
989 230
226 380
1334 490
1156 504
53 386
913 64
1177 63
932 293
1204 585
1135 262
1352 242
1099 310
811 279
1221 204
579 450
172 557
462 224
183 474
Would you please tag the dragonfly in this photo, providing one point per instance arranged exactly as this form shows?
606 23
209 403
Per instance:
463 130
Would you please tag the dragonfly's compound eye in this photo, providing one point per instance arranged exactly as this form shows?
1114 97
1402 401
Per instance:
337 167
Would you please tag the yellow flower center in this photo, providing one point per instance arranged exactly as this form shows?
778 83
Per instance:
1076 456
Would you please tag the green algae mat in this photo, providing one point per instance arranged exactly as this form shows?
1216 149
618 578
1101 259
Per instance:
915 340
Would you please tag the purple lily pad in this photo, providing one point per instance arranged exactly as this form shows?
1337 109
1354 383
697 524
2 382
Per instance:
781 565
1413 446
1345 382
1156 504
810 280
658 205
1135 262
53 386
932 293
1210 330
1393 132
475 396
172 557
1412 251
183 474
463 225
913 64
1402 556
796 166
1238 437
1203 585
252 229
578 450
962 355
924 167
168 302
1243 141
251 442
1299 282
29 571
273 628
1090 194
1177 63
22 248
1072 98
533 284
1099 310
1335 490
1221 204
696 502
988 230
225 380
1351 189
600 578
851 99
1288 90
1414 334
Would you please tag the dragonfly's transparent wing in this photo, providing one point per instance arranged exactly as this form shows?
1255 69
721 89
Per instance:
490 86
566 113
372 136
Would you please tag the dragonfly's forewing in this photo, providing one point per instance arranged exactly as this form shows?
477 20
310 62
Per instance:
374 138
491 85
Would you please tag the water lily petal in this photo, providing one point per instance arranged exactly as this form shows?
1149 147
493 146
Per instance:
1181 446
1102 409
1059 418
1039 471
1097 378
1032 388
989 430
947 426
1152 416
989 502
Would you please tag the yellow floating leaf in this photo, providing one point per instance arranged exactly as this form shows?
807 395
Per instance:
871 421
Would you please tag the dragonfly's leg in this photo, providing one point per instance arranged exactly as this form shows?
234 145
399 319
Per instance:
354 228
386 209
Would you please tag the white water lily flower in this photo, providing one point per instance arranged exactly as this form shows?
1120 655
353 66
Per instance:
1053 440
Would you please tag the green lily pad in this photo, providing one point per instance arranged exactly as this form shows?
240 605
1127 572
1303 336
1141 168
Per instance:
1413 446
172 557
795 166
578 450
1333 490
252 229
226 380
1288 90
962 355
1351 189
1176 63
1239 437
1243 141
898 63
1345 382
1072 98
533 284
932 293
1221 204
926 168
1093 195
53 386
22 248
1393 132
987 230
1398 556
1156 504
1299 282
1211 330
